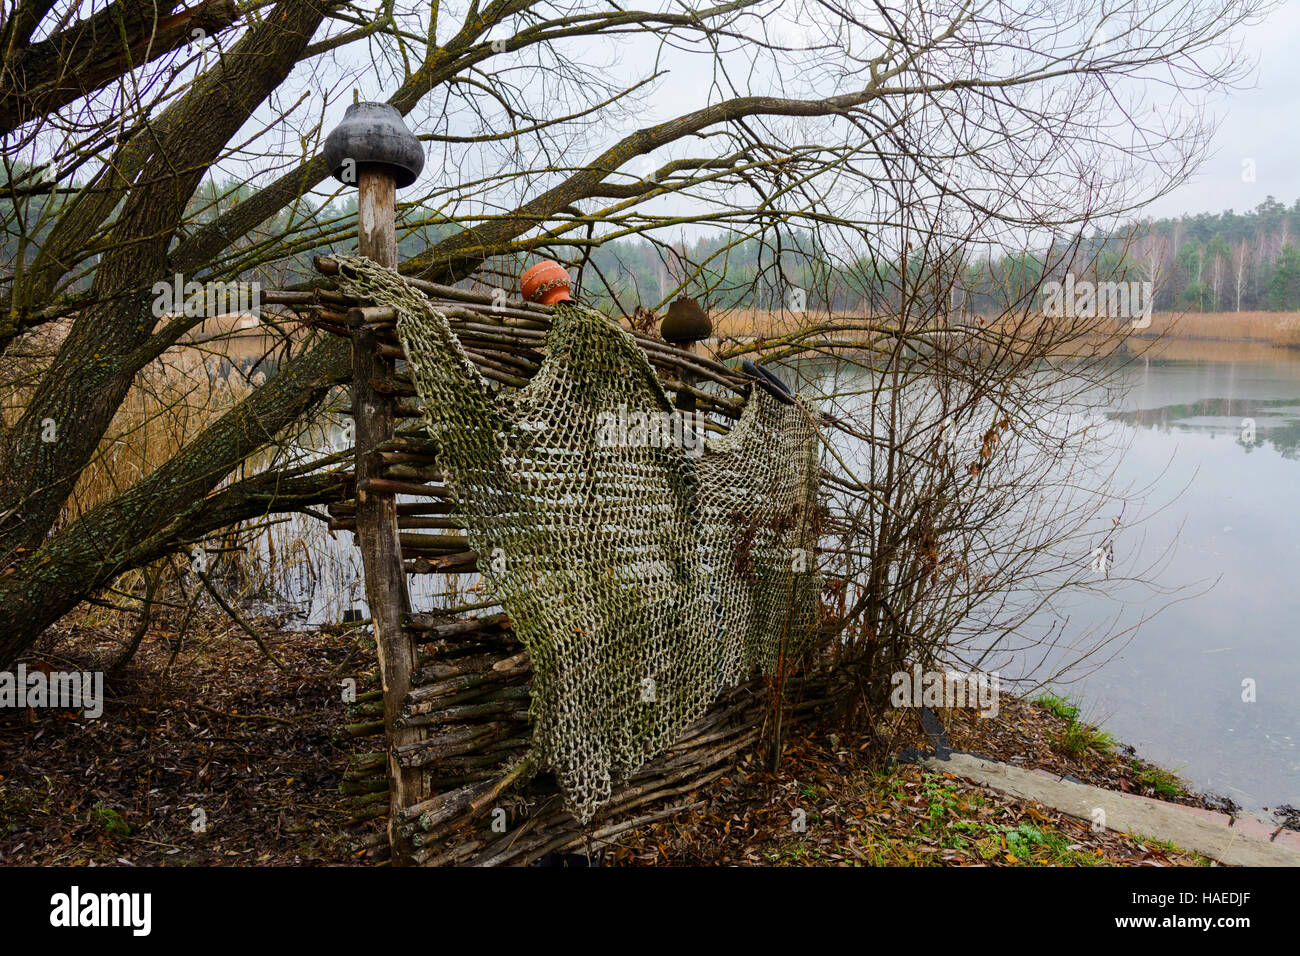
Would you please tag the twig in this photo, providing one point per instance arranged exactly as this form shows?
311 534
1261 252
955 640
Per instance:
222 713
518 770
146 609
244 625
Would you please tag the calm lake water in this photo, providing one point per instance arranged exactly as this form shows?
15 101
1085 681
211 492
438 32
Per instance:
1175 692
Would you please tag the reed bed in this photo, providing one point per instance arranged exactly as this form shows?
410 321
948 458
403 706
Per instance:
1274 328
292 561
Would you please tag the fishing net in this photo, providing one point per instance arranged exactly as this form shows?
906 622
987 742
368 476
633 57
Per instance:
644 571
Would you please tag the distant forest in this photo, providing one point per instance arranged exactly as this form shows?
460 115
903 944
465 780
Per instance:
1222 262
1208 262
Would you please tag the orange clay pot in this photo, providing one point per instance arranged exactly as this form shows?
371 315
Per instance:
546 283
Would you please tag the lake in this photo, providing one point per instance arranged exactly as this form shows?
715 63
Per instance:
1175 692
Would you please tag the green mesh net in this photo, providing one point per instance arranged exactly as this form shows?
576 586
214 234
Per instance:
644 571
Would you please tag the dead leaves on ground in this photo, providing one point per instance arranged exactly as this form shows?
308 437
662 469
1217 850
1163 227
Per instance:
223 760
825 807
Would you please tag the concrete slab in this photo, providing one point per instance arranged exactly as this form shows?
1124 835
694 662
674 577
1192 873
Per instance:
1191 828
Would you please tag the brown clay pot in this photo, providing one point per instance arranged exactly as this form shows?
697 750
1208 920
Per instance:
686 322
546 283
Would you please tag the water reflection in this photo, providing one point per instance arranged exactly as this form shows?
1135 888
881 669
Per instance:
1181 690
1272 423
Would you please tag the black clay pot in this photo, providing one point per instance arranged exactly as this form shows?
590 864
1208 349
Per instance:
768 382
373 134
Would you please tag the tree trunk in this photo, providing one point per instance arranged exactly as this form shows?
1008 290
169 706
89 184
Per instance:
164 509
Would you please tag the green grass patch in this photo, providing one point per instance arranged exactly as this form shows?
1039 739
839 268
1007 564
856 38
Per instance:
1169 846
1078 738
1163 782
1062 707
962 821
114 823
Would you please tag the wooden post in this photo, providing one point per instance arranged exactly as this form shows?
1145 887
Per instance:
685 400
373 150
377 215
377 535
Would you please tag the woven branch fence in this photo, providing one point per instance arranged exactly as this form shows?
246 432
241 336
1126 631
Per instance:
442 775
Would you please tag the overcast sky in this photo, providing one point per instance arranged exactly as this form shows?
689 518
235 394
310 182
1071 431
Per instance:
1254 154
1261 123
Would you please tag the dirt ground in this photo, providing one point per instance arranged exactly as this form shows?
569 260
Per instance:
221 758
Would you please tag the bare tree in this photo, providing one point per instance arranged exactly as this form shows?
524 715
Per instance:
1240 261
887 129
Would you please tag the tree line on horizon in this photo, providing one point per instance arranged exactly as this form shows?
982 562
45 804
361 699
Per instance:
1203 262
